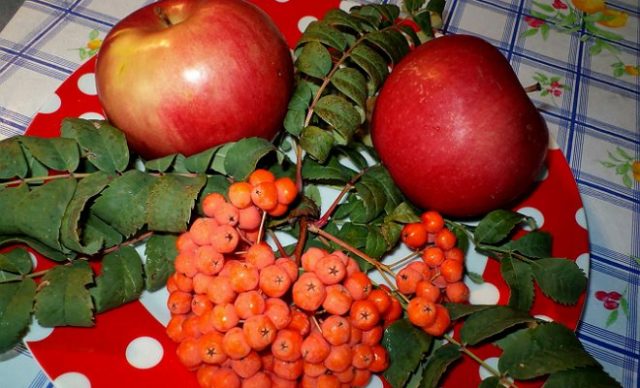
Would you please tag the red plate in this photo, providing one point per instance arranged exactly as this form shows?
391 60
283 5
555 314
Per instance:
128 345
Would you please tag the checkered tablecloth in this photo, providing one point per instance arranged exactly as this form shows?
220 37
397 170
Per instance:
588 67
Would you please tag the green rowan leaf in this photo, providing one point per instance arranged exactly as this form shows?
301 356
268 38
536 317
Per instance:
489 322
352 83
496 226
122 203
120 280
39 247
243 157
459 310
161 251
314 60
372 63
437 364
317 142
170 201
391 233
519 278
95 229
104 145
331 171
559 279
533 244
322 32
589 377
491 382
200 162
12 160
16 303
414 5
56 153
16 261
406 345
404 214
375 244
65 300
338 17
161 164
339 113
391 42
71 233
215 184
436 6
547 348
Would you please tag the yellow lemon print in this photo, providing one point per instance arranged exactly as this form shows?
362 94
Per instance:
94 44
589 6
614 18
635 71
635 167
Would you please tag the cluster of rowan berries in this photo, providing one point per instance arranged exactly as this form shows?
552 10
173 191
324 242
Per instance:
244 318
434 279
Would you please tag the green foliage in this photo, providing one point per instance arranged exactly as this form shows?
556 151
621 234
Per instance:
120 280
491 321
407 346
16 301
160 251
438 363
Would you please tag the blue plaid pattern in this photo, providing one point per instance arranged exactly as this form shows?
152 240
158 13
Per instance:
596 114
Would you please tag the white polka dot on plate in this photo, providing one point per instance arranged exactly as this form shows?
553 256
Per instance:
485 293
375 382
583 263
37 332
533 213
144 352
282 1
492 362
304 22
72 380
92 116
543 317
52 104
87 84
581 218
34 260
347 5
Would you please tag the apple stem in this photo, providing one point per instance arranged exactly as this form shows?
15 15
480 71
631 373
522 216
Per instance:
533 88
159 11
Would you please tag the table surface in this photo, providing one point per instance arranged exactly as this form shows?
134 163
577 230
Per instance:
590 98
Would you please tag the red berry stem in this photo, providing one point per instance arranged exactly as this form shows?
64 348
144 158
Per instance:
320 223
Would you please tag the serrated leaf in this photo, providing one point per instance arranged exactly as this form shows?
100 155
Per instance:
321 32
519 278
16 261
352 83
496 226
316 142
122 203
381 176
533 244
243 157
559 279
161 251
410 34
36 169
170 201
436 6
56 153
12 159
64 300
344 209
375 244
39 213
491 382
413 5
339 113
355 156
16 302
404 214
590 377
489 322
406 345
161 164
104 145
199 163
459 310
338 17
294 121
96 229
71 233
547 348
314 60
354 235
372 63
391 42
120 280
43 249
423 20
331 171
437 364
373 199
391 233
9 197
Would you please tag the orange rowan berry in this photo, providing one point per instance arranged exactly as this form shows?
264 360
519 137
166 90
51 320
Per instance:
208 260
179 302
188 353
330 269
244 277
451 270
265 195
362 356
202 229
249 303
174 327
336 330
352 267
184 243
234 344
224 238
315 348
380 359
381 299
299 322
441 322
457 292
407 279
185 263
287 190
274 281
355 336
315 369
432 221
414 235
364 314
247 366
182 282
439 281
310 257
421 267
346 375
338 300
258 380
289 370
210 345
191 327
259 331
200 304
249 218
201 283
372 336
328 381
425 289
226 377
359 285
260 255
226 214
205 375
278 312
361 378
224 317
279 210
308 292
433 256
287 345
339 358
455 253
394 312
211 202
279 382
239 194
261 175
290 267
445 239
220 290
421 312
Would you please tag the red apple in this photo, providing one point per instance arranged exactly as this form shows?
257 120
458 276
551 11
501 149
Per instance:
186 75
456 129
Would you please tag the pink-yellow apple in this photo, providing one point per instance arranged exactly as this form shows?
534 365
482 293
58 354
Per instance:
186 75
456 129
